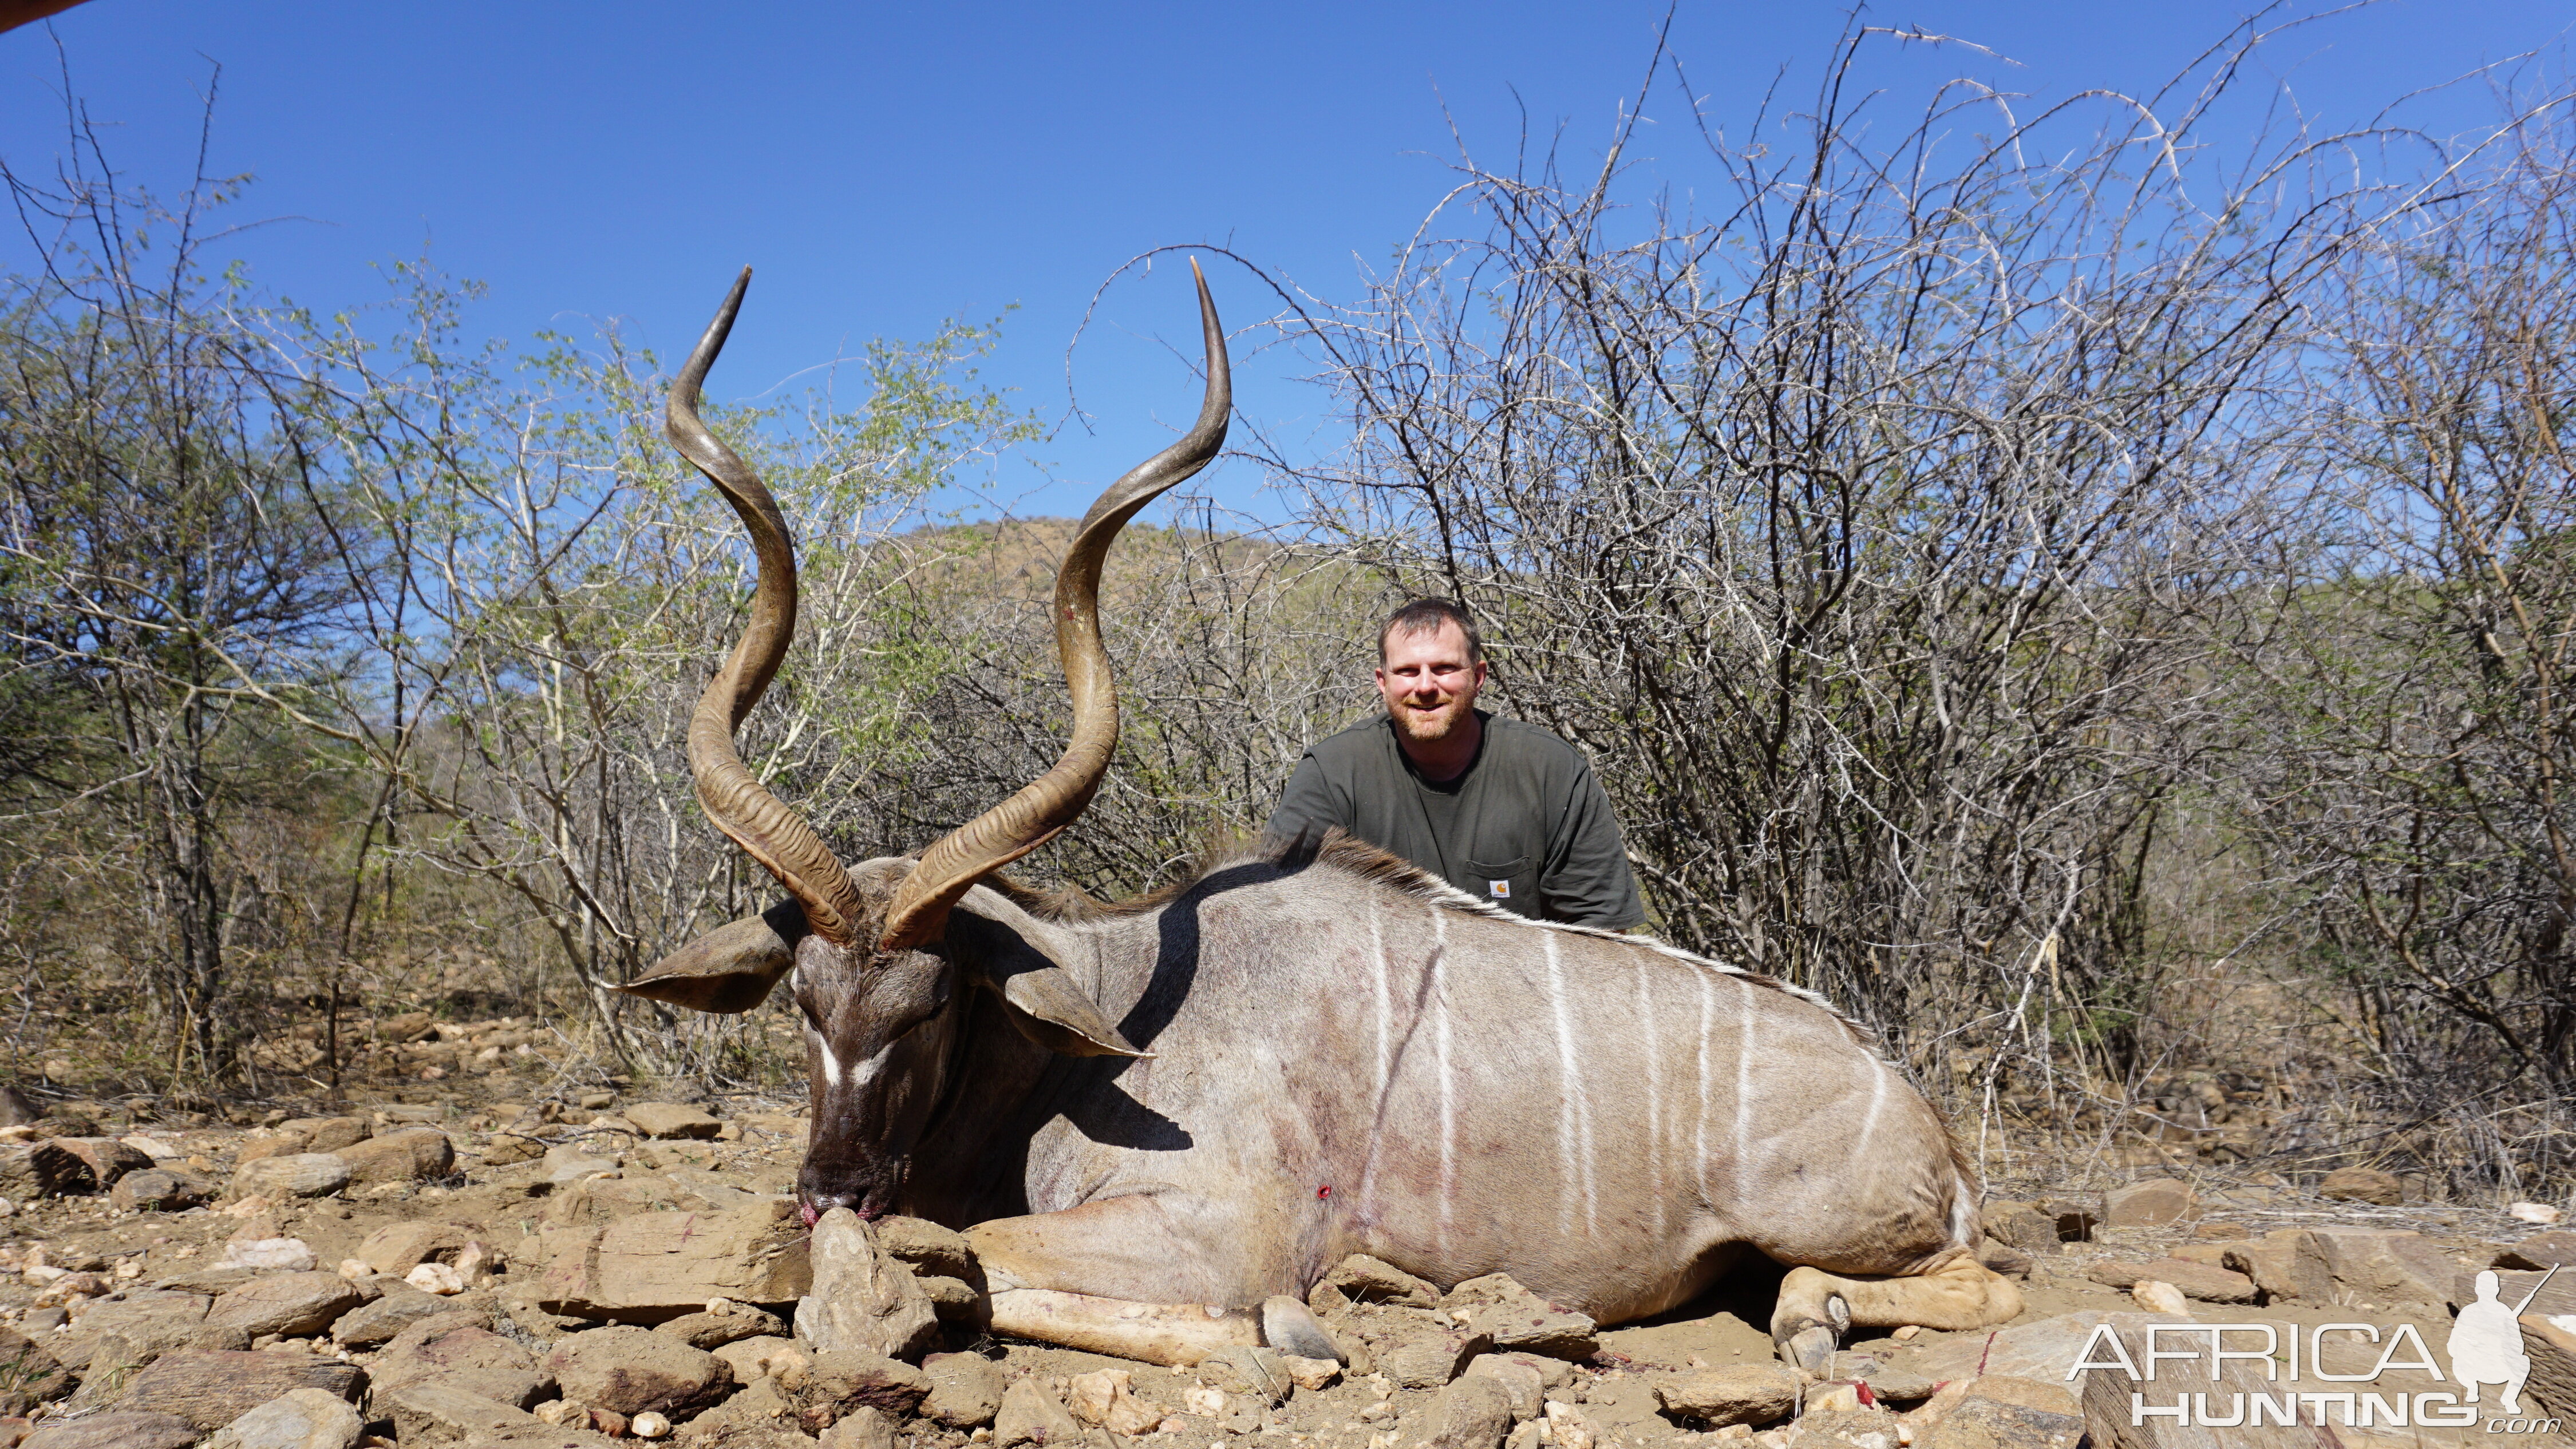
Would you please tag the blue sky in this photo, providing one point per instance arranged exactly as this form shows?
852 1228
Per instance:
884 167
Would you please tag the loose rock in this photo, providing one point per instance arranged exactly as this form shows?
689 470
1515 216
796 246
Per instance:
1472 1413
411 1155
434 1412
1518 1378
862 1300
372 1323
1426 1355
397 1248
965 1390
298 1174
1747 1394
630 1370
662 1265
155 1189
1516 1318
1364 1279
2148 1204
2363 1184
473 1359
1031 1415
671 1119
930 1249
2156 1297
2195 1280
866 1429
2373 1265
2539 1251
126 1429
289 1304
1106 1397
712 1331
298 1419
211 1390
81 1165
839 1381
1990 1423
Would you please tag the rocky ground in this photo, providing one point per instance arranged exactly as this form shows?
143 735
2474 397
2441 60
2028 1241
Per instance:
570 1273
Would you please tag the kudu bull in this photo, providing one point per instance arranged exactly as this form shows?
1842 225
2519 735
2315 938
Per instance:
1157 1120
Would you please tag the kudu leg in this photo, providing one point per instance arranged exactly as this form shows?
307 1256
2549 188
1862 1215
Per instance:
1118 1276
1816 1308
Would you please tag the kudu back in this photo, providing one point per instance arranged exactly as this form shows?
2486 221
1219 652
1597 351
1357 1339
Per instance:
1161 1121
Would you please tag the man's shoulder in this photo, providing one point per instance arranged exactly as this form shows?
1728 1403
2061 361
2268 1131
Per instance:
1360 740
1527 746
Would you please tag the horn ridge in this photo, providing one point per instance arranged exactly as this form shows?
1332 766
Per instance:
1046 805
768 831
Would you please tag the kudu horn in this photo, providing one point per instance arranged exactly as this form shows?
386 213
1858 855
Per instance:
740 805
1055 799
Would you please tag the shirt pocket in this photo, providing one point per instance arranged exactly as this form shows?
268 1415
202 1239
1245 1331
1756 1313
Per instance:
1507 883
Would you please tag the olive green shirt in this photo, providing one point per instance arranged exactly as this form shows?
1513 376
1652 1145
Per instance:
1527 827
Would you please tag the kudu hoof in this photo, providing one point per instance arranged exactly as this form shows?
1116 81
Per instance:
1291 1327
1810 1350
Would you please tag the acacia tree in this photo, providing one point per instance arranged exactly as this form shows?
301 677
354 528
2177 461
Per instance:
1850 527
2413 726
169 586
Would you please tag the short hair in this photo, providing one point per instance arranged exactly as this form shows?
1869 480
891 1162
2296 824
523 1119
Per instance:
1425 616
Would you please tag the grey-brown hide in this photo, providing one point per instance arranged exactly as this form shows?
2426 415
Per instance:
1348 1057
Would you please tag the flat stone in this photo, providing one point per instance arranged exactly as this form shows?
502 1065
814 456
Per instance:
2149 1204
1886 1380
1472 1413
965 1390
1249 1369
2196 1280
1107 1398
1425 1355
631 1370
1517 1376
327 1134
1516 1318
152 1319
767 1356
864 1429
658 1265
122 1429
474 1359
261 1255
1987 1423
1742 1394
840 1381
433 1413
1363 1279
2363 1184
29 1375
2041 1350
2375 1265
671 1119
297 1419
397 1248
296 1174
2022 1225
953 1299
929 1248
82 1165
862 1299
2539 1251
714 1330
413 1154
292 1305
2272 1261
158 1190
1032 1415
568 1162
401 1306
211 1390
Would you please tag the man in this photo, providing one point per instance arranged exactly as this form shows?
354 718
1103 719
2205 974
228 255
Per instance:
1503 811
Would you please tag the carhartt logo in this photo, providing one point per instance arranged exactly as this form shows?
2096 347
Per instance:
1502 889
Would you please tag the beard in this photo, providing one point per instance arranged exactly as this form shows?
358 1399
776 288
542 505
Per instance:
1430 727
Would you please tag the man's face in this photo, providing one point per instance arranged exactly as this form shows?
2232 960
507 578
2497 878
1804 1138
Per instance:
1427 682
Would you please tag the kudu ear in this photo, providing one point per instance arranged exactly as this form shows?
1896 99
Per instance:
730 968
1009 949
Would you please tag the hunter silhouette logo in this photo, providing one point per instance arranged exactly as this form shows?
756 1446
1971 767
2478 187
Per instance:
2486 1342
